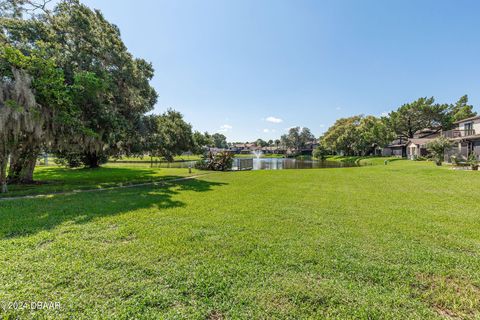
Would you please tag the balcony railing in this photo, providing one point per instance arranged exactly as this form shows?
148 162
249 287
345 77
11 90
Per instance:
452 134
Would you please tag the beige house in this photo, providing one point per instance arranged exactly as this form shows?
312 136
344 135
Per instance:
465 137
417 148
411 148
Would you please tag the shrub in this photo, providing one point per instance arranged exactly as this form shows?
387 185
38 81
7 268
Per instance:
455 160
321 152
473 161
220 161
437 148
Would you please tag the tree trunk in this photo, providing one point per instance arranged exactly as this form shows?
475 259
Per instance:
3 173
22 165
92 160
26 175
15 166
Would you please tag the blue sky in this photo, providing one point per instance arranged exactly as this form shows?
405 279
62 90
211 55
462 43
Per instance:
253 68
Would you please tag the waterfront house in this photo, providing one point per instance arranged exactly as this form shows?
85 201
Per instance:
465 137
417 148
414 147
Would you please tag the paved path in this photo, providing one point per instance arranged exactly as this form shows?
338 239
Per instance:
105 189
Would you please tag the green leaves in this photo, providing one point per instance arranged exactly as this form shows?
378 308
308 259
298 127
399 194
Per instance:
10 103
219 161
110 87
438 147
166 135
297 138
415 116
219 140
461 110
357 135
425 113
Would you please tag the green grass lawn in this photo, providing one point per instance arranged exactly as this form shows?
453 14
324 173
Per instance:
364 160
400 241
57 179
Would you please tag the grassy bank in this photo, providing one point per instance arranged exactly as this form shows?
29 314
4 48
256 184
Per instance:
381 242
363 160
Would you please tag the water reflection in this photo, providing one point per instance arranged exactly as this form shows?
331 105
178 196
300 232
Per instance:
154 164
286 163
250 164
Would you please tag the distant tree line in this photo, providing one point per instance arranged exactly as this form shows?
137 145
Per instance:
360 135
294 141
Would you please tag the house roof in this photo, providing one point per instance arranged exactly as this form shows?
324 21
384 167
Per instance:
397 143
467 119
427 133
427 130
419 141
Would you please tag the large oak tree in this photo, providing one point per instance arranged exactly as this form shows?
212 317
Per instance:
109 87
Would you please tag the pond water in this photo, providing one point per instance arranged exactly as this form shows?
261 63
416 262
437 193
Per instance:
154 164
251 164
287 163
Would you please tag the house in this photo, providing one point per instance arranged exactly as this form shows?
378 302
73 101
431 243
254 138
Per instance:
243 148
414 147
273 150
465 137
397 148
249 148
417 146
310 146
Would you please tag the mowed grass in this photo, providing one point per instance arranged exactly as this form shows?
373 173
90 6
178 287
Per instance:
400 241
58 179
364 160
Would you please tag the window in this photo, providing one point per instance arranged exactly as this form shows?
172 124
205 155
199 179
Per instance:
469 129
470 148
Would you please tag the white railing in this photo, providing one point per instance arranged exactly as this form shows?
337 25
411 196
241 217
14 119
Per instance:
452 134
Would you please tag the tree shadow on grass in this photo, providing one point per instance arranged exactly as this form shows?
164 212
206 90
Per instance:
24 217
56 179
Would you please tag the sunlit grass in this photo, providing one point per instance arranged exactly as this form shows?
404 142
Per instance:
57 179
400 241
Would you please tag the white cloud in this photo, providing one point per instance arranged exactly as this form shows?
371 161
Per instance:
225 128
384 114
322 125
274 120
266 130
